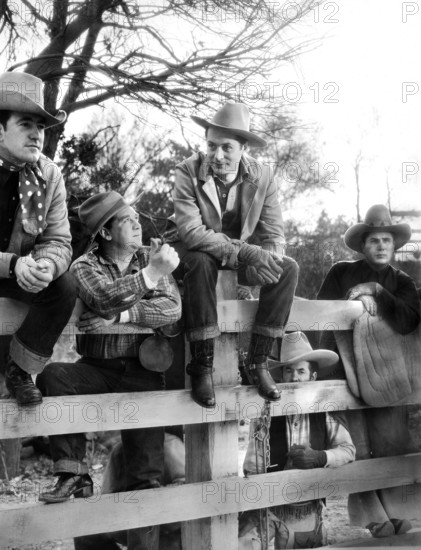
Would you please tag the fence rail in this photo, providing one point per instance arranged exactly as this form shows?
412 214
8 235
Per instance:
214 493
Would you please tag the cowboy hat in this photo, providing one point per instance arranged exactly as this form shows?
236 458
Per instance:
296 347
377 219
22 92
98 209
233 118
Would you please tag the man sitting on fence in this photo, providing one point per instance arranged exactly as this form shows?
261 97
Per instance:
119 281
35 237
228 214
390 298
301 441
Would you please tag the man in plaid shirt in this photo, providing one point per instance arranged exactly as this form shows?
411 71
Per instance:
119 281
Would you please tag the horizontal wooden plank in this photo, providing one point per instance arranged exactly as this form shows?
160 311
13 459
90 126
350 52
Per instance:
112 411
233 316
24 523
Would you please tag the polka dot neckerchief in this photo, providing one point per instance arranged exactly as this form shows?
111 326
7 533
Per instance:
32 189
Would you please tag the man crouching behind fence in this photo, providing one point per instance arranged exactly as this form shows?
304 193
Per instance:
297 441
119 281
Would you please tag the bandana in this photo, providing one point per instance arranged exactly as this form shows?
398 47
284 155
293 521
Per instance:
32 187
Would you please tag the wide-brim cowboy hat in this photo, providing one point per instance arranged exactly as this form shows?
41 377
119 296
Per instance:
296 347
22 92
233 118
377 219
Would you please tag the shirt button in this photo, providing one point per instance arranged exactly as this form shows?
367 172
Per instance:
224 195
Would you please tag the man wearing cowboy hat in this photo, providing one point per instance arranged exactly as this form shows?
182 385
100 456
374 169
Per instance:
373 281
119 281
391 295
35 238
228 214
302 441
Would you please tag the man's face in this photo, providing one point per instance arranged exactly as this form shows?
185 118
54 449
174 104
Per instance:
224 153
126 231
298 372
378 249
22 139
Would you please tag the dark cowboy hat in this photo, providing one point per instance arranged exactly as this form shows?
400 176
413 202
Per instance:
377 219
22 92
97 210
296 347
233 118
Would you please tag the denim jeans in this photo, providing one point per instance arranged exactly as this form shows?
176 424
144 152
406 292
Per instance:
49 311
143 448
200 278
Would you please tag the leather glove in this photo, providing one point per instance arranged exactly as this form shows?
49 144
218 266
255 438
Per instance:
367 289
305 458
262 267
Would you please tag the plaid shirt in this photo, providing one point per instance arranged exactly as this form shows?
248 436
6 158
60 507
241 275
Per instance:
107 293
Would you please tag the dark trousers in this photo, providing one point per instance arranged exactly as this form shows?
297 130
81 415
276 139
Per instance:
143 448
200 278
49 312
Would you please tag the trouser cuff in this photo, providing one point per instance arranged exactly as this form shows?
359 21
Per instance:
203 333
27 360
70 466
266 330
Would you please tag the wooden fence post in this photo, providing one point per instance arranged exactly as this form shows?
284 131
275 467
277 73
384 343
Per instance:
212 448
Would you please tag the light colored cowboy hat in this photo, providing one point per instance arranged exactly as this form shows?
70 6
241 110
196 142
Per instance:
233 118
296 347
377 219
22 92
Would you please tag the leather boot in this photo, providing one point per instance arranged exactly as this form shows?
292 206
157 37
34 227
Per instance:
257 367
200 369
20 385
80 486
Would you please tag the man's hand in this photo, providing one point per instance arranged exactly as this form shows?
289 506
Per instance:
305 458
370 304
91 322
364 289
163 259
33 276
262 267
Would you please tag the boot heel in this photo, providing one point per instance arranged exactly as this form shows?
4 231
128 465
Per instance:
84 492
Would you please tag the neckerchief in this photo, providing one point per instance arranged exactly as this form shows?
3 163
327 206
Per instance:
32 188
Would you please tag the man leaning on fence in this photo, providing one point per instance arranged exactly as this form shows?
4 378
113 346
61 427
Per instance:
35 249
297 441
228 215
376 359
119 281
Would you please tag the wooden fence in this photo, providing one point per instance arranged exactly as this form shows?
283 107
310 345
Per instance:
214 493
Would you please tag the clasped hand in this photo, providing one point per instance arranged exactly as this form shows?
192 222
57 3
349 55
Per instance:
33 275
261 266
305 458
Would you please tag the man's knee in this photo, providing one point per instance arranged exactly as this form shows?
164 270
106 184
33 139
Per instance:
199 261
65 287
53 380
290 269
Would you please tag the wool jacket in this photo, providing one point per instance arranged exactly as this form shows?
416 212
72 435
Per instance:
198 212
54 242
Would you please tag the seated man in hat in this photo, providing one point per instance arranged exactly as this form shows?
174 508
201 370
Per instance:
228 214
119 281
35 238
297 441
391 294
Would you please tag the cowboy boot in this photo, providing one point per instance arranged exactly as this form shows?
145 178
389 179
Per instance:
257 367
200 369
20 385
79 486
